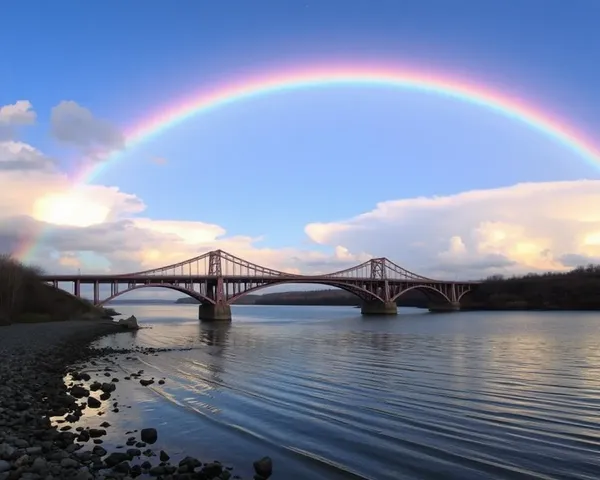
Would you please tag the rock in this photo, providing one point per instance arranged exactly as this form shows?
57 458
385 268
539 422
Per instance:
108 387
134 452
145 383
96 432
6 451
79 392
97 450
263 467
83 474
69 463
164 457
116 458
157 471
130 323
39 464
212 470
149 435
122 467
95 386
190 462
4 466
94 402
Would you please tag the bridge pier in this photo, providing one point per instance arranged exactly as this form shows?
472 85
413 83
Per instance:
210 312
444 307
379 308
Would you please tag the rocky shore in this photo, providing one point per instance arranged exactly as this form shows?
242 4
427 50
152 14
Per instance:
42 402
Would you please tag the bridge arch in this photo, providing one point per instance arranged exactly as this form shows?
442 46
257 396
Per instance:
191 293
466 292
361 293
427 290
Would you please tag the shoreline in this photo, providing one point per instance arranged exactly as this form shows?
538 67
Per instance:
43 397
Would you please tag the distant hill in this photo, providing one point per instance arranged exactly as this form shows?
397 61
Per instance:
317 297
145 301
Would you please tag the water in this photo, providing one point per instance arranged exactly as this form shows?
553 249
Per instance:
329 394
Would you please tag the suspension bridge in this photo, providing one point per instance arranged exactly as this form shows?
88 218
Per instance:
217 279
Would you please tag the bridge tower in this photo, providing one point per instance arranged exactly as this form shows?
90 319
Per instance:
218 309
381 288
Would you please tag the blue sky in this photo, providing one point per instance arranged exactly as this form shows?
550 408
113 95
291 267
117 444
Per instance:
266 168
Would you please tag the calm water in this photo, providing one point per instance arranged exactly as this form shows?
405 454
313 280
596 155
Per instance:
329 394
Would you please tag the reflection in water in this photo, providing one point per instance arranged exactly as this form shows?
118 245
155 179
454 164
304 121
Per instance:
462 395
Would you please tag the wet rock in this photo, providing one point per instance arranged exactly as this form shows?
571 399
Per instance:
94 402
108 387
122 467
164 457
263 467
79 392
134 452
191 462
96 432
149 435
99 451
130 323
212 470
95 386
145 383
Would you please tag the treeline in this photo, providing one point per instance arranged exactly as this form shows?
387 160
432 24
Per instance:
25 298
578 289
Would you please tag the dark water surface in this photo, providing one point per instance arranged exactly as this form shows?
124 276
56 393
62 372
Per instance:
329 394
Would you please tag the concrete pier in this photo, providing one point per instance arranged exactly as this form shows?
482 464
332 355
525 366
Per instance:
209 312
444 307
379 308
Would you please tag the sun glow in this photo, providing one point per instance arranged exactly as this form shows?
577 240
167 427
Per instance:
69 209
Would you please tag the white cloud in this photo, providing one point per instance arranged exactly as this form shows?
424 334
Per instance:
19 113
75 125
21 157
525 227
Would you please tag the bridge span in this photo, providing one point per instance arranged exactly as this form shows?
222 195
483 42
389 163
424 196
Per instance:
218 278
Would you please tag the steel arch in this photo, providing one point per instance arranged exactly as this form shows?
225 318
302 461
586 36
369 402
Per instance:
468 290
357 291
425 289
191 293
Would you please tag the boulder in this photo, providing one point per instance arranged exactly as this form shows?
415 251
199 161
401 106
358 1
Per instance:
130 323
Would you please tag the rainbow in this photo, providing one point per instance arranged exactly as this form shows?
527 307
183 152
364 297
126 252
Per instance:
368 76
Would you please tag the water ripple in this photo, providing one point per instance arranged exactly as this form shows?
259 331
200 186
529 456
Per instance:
421 396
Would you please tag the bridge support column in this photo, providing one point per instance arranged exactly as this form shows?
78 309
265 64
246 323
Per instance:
209 312
444 307
379 308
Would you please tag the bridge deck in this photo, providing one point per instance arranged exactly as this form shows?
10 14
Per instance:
227 278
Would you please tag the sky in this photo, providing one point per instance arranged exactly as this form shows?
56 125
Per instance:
310 180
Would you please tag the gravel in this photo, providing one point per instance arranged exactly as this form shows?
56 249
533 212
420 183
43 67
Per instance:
34 361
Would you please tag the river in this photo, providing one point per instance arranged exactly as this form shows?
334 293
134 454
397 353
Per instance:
329 394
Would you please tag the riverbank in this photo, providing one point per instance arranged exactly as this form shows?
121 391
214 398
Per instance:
42 403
